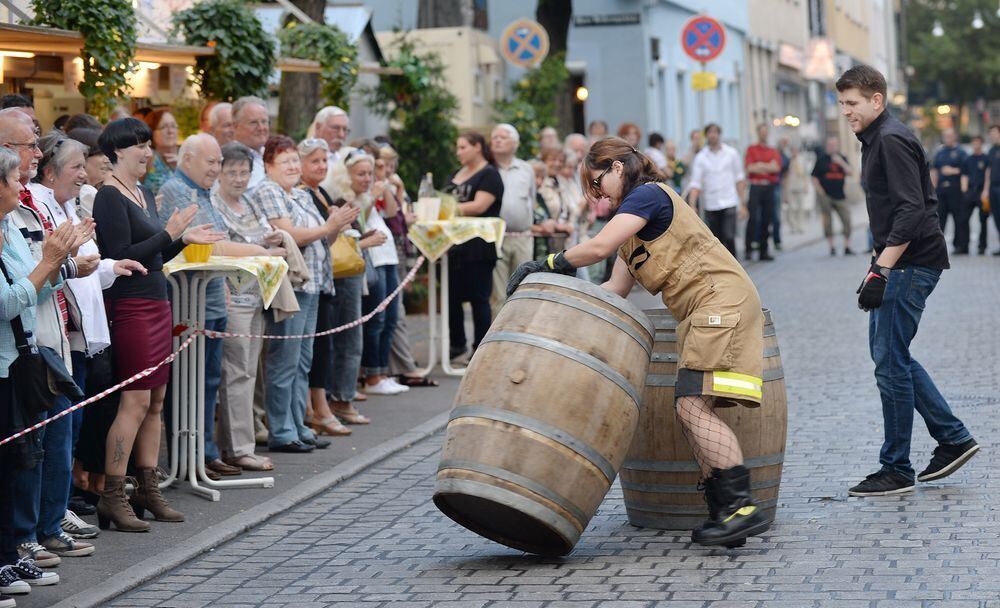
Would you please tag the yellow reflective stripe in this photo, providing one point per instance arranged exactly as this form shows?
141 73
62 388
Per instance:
758 382
742 511
550 261
736 383
738 391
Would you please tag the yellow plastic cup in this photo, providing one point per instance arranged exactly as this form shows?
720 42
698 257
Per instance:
198 254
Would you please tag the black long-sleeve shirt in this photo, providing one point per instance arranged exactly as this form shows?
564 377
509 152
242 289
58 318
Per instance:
125 231
902 205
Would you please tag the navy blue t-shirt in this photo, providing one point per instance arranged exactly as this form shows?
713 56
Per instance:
652 204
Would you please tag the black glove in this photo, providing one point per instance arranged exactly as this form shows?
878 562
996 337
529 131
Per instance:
554 262
872 288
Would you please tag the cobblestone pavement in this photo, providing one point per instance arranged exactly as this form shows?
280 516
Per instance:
377 539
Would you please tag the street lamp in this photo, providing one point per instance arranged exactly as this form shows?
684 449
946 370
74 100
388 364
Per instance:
937 30
977 21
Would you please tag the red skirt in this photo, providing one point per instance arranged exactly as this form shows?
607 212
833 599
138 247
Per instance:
141 331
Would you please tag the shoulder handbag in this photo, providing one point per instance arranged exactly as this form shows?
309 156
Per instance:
40 372
345 255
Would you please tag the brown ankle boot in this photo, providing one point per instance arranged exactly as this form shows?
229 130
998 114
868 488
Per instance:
147 496
114 507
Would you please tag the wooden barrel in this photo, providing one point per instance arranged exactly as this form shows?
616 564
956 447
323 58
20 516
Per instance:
660 476
544 415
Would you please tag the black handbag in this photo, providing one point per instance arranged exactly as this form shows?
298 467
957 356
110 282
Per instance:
39 374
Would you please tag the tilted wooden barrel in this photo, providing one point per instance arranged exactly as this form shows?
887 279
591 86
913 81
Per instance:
660 476
545 414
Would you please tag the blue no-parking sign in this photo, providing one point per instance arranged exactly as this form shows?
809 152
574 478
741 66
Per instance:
524 43
703 38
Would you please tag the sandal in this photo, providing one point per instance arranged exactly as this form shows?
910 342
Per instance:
415 380
251 462
359 396
329 426
354 417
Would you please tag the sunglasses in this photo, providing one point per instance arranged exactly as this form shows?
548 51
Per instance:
595 184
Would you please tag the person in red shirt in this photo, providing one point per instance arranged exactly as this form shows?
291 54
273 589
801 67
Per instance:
763 164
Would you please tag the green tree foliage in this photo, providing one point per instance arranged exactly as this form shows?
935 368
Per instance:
108 30
328 45
421 110
534 102
961 66
244 52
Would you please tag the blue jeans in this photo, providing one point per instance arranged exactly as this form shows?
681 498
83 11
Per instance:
287 364
776 216
213 377
903 383
347 345
80 377
378 330
57 472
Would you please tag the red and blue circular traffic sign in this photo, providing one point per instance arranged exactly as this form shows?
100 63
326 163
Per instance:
524 43
703 38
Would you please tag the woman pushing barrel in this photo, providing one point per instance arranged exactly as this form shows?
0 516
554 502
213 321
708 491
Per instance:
662 244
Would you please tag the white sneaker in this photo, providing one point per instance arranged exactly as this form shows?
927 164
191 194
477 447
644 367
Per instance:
382 387
77 528
11 583
402 387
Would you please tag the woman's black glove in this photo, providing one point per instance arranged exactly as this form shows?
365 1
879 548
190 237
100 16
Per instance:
554 262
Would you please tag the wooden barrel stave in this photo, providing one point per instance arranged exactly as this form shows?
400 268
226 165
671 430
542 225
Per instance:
545 415
659 477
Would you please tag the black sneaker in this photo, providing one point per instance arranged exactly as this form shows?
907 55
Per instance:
833 252
882 483
7 601
948 459
847 251
318 443
11 583
28 572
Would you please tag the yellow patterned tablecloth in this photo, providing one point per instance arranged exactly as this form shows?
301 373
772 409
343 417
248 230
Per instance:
267 271
434 239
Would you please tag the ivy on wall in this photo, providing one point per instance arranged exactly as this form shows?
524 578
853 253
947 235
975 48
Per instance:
244 52
108 28
337 57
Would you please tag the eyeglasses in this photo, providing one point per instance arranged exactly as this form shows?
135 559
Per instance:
345 130
259 123
595 184
167 127
28 144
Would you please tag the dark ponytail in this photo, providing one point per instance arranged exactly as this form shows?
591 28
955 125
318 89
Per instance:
638 169
476 139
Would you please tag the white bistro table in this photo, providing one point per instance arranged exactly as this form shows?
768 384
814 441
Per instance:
189 282
433 240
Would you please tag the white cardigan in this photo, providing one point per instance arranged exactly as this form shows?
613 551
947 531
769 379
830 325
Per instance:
83 296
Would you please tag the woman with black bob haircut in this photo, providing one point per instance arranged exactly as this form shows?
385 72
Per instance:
140 318
663 244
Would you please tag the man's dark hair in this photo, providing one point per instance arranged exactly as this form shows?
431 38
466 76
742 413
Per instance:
979 137
15 100
655 139
594 123
865 79
87 137
996 126
123 133
82 121
711 126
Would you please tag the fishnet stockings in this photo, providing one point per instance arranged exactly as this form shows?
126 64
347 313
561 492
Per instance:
712 441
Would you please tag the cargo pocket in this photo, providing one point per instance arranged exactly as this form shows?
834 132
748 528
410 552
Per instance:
708 344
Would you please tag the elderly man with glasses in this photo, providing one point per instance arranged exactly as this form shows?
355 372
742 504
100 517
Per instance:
252 127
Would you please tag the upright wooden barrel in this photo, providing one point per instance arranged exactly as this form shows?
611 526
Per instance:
660 476
545 414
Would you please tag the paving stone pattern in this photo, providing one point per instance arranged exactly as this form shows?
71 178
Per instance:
377 540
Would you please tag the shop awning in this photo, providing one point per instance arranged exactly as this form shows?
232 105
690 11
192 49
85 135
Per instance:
52 41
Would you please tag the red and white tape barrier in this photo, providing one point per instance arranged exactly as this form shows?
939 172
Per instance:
195 332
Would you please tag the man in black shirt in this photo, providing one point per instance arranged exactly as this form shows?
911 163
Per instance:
828 179
973 187
910 253
993 176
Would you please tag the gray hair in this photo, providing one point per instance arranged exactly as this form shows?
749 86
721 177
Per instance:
511 130
311 144
574 137
235 152
57 151
10 161
248 100
213 114
192 146
325 114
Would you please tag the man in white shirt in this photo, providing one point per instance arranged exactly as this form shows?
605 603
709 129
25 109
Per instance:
719 183
252 127
517 208
333 125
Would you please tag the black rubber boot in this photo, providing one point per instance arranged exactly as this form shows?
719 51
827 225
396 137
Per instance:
733 516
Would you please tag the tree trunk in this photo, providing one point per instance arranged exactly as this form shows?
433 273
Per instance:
554 16
445 13
298 93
